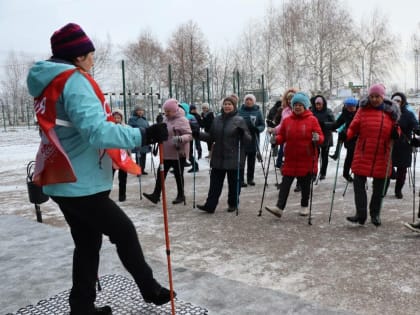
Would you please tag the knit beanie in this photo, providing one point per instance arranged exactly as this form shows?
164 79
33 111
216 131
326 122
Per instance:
138 107
319 100
118 111
70 42
301 98
251 96
350 101
170 105
377 89
205 105
232 100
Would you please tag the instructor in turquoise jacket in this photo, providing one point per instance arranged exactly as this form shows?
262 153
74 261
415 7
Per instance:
84 134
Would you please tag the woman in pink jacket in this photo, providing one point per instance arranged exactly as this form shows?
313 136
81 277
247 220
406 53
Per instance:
375 123
302 134
175 150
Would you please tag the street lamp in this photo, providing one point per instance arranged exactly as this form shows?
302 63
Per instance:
363 62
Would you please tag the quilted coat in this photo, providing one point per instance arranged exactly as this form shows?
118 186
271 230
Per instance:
300 155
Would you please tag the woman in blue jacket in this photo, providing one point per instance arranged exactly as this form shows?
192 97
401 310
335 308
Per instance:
83 133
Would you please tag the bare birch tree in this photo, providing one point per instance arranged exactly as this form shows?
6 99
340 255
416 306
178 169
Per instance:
187 53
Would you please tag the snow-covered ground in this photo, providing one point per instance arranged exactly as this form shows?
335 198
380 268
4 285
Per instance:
365 269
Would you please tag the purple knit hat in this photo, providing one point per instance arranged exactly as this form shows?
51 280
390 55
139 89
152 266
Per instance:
70 42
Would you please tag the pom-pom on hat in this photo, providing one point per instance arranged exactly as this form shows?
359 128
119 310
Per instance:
170 105
301 98
377 89
350 101
70 42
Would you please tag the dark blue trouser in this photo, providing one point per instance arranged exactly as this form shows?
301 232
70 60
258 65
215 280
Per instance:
89 218
217 177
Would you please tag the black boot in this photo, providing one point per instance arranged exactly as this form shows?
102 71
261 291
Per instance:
398 189
104 310
178 199
159 297
356 219
376 220
154 197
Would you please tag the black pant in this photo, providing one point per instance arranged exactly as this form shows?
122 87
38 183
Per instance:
89 218
250 167
122 181
217 177
348 160
141 160
305 184
324 150
178 166
360 196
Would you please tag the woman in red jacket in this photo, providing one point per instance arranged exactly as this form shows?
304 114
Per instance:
375 123
302 134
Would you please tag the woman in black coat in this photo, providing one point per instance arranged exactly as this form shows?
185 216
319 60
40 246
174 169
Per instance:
401 153
325 118
229 134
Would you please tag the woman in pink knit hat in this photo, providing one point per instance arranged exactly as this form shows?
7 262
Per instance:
375 124
175 150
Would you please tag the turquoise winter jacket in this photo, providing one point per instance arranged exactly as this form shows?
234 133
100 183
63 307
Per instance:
89 134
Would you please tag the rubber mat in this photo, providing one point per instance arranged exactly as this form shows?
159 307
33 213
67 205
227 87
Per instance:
119 292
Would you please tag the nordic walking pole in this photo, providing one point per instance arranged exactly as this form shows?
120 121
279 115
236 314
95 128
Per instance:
265 184
238 177
195 161
388 165
335 183
179 165
139 176
414 182
312 181
165 221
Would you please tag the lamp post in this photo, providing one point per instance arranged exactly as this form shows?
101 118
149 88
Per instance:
363 62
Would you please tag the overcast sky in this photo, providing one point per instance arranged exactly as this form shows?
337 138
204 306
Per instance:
26 26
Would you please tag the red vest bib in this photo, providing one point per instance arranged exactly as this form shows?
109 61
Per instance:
52 163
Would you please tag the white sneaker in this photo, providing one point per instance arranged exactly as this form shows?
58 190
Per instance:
274 210
304 211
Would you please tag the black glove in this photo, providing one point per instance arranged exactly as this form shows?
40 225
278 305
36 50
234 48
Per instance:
394 133
342 136
159 118
270 123
155 133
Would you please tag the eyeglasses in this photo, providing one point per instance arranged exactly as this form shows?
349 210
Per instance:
397 100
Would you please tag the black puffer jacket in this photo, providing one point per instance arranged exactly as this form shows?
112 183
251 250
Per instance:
224 133
402 151
325 118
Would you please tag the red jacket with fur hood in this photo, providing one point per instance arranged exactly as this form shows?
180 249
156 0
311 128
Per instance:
374 127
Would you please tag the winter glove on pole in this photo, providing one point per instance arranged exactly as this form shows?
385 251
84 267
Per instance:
155 134
273 140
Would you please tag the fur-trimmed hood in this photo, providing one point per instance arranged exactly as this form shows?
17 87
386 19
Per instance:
388 106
